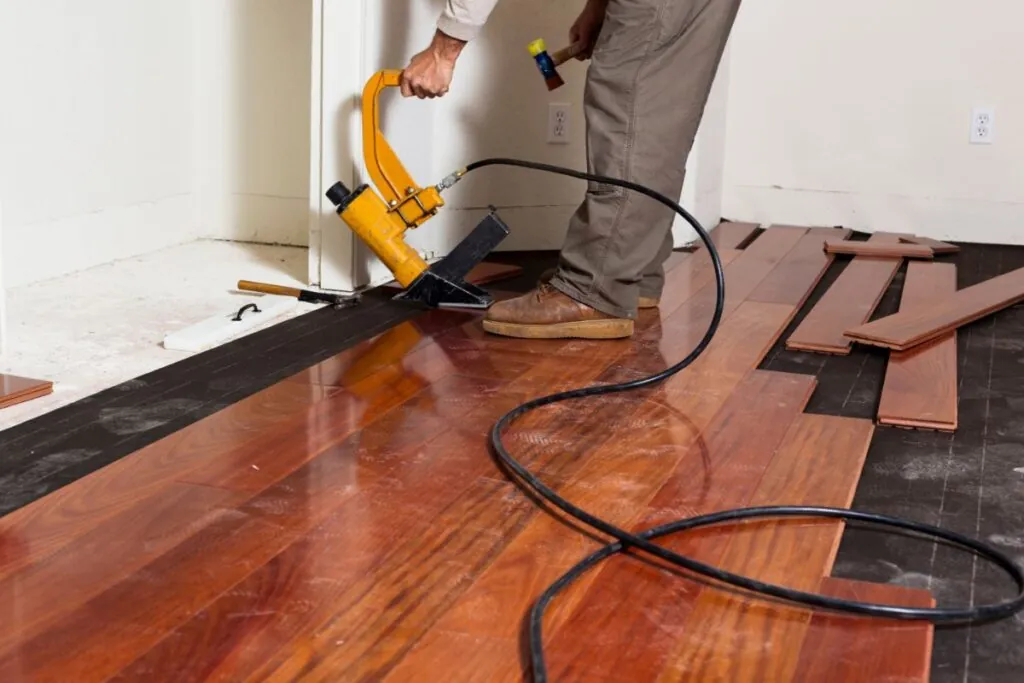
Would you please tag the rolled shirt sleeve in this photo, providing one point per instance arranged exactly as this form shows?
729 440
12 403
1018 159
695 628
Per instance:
463 19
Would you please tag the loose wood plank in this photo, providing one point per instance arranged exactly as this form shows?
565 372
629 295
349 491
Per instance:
919 389
879 249
799 272
849 301
731 636
15 389
936 246
852 649
903 331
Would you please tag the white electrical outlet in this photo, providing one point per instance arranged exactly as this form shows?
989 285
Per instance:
983 122
558 123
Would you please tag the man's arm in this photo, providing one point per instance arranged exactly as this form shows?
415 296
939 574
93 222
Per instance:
429 73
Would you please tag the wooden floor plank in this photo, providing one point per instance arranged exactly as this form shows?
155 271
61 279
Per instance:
896 249
757 261
799 272
617 600
731 235
850 300
15 389
920 385
550 368
852 649
730 636
902 331
936 246
48 524
259 423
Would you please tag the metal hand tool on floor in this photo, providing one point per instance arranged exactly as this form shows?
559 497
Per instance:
305 295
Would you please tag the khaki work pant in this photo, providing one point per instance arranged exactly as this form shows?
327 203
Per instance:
647 85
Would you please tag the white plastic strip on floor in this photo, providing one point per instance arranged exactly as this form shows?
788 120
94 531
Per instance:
219 329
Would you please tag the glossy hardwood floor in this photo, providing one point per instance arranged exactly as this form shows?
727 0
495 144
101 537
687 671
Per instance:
349 523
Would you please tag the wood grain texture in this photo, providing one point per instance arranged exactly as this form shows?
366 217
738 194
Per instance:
625 601
350 522
936 246
15 389
920 385
799 272
731 235
850 301
730 636
896 249
851 649
902 331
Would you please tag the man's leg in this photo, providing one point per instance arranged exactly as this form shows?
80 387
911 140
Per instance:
647 85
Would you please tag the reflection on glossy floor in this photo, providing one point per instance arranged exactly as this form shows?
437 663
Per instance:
349 524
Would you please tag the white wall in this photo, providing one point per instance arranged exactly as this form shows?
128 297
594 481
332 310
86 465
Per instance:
498 106
858 114
252 77
95 131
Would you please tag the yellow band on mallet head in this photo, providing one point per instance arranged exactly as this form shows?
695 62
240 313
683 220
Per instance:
537 47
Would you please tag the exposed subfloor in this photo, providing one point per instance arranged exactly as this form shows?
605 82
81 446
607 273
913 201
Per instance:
95 329
971 482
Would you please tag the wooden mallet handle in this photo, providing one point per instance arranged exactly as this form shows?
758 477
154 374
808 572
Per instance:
566 53
247 286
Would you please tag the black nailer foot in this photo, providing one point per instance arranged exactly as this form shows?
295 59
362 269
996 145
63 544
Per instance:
443 285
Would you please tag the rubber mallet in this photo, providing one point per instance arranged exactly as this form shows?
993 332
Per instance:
548 64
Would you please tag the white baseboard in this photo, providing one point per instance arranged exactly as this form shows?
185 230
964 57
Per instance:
257 218
46 250
959 220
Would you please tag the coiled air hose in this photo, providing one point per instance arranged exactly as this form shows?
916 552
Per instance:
643 541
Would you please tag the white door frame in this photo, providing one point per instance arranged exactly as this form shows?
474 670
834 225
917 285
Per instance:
336 83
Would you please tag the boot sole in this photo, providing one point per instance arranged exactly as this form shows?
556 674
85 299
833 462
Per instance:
590 329
647 303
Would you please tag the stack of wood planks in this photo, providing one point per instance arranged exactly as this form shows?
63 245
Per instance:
920 385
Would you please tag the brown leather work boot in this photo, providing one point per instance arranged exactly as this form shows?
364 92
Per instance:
546 313
642 302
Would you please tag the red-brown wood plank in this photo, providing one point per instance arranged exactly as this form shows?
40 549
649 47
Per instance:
896 249
936 246
731 235
920 385
730 636
799 272
15 389
625 600
912 328
854 649
850 300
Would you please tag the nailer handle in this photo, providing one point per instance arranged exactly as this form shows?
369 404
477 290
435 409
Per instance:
389 175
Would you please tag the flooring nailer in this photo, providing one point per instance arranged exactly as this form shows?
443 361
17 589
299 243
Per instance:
381 218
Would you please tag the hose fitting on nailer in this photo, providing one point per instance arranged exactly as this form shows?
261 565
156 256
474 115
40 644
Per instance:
450 180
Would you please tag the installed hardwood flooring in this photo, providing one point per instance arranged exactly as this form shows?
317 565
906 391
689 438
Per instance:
349 523
849 301
729 235
906 330
920 386
869 649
